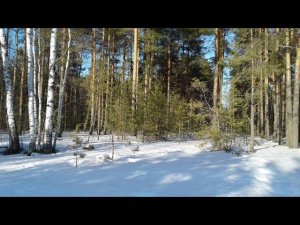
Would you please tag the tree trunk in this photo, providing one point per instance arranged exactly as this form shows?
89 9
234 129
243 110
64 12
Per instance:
62 91
107 84
275 95
123 91
216 76
13 133
150 71
251 147
92 86
61 76
279 93
267 116
40 87
295 120
262 121
50 95
221 66
35 82
100 86
16 60
289 112
111 76
22 87
30 87
284 106
135 71
147 44
169 75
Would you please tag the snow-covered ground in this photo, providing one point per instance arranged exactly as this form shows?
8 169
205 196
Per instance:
158 169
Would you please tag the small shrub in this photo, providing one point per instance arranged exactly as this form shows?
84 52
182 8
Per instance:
135 149
78 141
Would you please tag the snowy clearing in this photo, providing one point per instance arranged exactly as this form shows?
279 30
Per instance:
157 169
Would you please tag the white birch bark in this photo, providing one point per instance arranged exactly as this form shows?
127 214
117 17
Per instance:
13 134
30 89
35 74
40 90
50 94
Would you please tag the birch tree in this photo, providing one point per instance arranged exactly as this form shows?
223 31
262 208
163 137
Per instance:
47 148
35 74
16 59
30 89
13 133
41 60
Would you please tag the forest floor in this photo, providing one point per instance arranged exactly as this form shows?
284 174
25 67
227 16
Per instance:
169 168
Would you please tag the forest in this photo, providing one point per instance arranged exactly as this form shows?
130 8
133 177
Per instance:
149 111
154 83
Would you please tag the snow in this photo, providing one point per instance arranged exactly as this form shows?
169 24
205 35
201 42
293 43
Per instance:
157 169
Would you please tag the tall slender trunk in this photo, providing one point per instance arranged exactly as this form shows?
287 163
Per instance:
216 76
295 120
61 74
35 81
107 83
135 71
123 91
40 86
289 110
137 60
92 86
123 70
100 86
274 96
251 147
280 113
16 60
279 93
65 111
30 87
13 133
221 66
284 106
262 121
112 72
50 95
267 116
169 74
62 92
22 87
150 71
146 59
